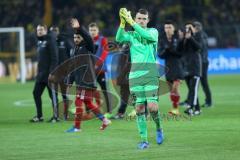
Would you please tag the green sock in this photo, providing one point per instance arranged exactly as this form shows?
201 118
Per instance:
157 119
142 126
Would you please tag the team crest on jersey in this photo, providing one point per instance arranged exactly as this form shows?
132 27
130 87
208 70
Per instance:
42 43
39 42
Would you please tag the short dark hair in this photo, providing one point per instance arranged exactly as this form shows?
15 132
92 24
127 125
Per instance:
54 28
198 25
143 11
93 24
169 22
43 25
189 22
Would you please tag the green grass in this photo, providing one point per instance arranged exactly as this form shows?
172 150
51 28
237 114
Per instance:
213 135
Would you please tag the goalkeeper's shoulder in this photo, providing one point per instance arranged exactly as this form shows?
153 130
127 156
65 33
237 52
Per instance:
154 30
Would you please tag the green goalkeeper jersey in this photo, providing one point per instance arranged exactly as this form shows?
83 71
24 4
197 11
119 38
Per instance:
143 50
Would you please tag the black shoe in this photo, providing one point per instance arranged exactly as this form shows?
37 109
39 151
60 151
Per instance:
36 119
53 120
207 105
189 111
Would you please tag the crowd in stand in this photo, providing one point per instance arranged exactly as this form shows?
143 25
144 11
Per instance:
219 19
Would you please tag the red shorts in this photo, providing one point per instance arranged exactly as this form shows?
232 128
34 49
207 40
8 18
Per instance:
85 94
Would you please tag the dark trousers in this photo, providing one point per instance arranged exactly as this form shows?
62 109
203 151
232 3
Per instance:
124 95
63 89
37 94
193 84
65 101
204 83
103 84
187 80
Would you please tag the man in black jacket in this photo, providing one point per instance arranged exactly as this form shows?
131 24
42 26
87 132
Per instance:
191 46
84 76
173 69
205 63
47 62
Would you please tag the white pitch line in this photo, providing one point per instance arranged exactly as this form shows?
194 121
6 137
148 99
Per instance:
28 103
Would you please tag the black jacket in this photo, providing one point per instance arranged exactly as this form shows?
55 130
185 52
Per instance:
168 51
191 49
204 52
47 55
84 75
64 46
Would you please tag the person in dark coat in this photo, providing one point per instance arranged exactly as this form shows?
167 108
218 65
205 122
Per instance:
47 61
173 69
191 45
205 63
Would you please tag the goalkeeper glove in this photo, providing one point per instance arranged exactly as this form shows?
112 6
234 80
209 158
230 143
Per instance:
127 16
122 20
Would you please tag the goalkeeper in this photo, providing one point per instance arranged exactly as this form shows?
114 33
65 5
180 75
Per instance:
143 77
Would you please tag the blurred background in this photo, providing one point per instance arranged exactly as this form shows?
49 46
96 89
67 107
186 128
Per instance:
220 19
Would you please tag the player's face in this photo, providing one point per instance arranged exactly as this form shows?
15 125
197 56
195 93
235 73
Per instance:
142 19
93 31
77 39
169 29
41 31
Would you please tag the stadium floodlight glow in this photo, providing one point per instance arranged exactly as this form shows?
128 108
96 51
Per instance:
19 30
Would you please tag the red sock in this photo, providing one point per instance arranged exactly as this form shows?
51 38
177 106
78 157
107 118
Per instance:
92 107
175 99
79 112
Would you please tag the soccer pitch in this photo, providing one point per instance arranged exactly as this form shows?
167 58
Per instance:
214 135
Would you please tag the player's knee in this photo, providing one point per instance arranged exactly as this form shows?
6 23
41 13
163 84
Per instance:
140 108
153 106
35 93
174 89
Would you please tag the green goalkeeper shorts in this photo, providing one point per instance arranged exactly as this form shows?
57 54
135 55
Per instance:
144 90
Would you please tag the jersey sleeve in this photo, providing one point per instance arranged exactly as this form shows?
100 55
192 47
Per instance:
122 35
104 53
150 34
